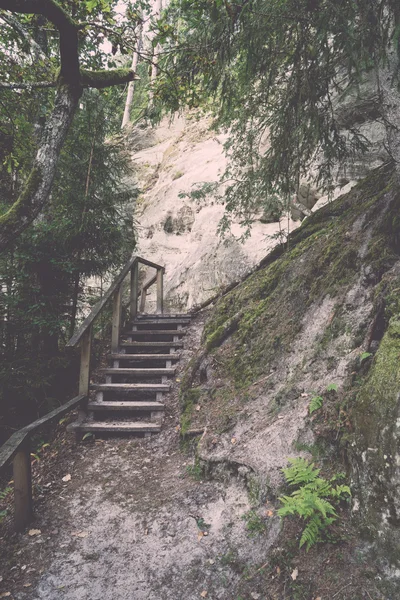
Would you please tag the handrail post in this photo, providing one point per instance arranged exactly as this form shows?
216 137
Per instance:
84 377
134 289
143 299
116 319
22 487
160 290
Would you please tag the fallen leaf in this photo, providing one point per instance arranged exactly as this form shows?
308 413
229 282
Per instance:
200 535
81 534
269 513
319 598
294 574
67 477
204 594
278 570
27 584
233 440
5 595
32 532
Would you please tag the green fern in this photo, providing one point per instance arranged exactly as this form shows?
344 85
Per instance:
332 387
313 499
315 404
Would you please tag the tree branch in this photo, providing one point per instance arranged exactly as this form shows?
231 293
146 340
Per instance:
66 26
102 79
26 85
17 26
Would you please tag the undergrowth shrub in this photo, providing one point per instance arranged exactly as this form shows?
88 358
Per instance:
313 499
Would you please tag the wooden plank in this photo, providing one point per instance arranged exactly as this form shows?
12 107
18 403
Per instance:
84 375
115 427
164 316
131 387
116 319
160 291
144 261
138 357
158 320
138 372
155 332
134 290
167 344
23 508
149 282
125 405
12 445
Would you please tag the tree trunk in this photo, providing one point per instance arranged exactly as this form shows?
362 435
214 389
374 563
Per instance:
131 85
38 187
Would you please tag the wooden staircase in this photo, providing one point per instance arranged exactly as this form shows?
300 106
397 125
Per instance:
130 400
143 357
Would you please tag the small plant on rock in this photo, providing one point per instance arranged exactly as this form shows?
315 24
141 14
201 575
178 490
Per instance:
313 500
254 523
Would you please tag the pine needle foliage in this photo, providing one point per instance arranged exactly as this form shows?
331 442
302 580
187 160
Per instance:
276 70
313 500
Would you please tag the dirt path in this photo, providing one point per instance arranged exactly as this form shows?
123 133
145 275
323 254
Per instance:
124 526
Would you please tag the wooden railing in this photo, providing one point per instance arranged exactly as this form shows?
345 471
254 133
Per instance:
17 448
84 333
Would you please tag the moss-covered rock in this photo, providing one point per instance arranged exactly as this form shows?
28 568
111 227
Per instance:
310 311
376 447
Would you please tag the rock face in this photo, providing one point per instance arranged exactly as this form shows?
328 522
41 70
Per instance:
325 312
178 232
182 234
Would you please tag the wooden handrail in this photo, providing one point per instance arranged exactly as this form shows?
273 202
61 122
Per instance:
17 449
98 307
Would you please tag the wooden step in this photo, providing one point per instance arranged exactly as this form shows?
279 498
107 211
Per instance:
164 316
152 344
115 427
134 387
158 321
174 356
126 405
155 332
139 372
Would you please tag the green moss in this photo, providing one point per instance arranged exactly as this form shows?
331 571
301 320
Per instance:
22 208
189 398
376 440
104 78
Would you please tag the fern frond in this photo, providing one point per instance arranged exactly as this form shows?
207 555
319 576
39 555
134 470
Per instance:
315 404
310 534
300 471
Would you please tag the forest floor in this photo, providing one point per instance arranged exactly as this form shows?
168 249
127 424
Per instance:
132 519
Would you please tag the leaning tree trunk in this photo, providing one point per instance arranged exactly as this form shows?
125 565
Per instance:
37 189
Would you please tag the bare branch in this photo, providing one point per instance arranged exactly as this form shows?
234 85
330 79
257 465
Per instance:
26 85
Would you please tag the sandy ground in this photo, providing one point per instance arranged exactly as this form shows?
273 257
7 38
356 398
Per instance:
132 523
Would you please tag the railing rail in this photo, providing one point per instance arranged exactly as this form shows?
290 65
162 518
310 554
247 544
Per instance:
17 448
130 266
